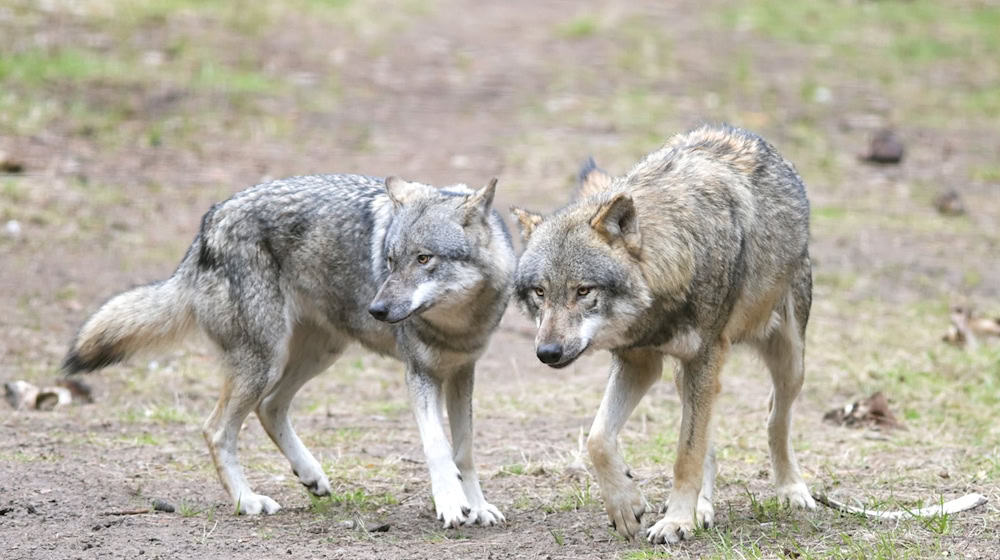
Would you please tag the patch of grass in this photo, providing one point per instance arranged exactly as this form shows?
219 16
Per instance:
211 75
987 173
356 500
644 50
578 28
445 536
516 469
575 497
186 509
39 66
647 555
918 30
144 438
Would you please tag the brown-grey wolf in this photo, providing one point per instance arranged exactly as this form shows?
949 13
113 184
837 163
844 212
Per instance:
703 244
284 275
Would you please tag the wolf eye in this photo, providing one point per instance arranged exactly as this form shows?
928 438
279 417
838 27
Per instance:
423 259
582 291
539 292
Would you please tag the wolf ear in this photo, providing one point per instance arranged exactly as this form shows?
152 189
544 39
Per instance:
593 179
482 200
401 191
526 221
616 220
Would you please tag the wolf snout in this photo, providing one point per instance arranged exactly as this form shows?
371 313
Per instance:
549 353
379 310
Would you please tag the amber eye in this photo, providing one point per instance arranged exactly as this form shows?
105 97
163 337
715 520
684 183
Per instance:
539 292
423 259
582 291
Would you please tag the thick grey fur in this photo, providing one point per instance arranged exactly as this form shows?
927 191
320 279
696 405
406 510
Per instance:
282 277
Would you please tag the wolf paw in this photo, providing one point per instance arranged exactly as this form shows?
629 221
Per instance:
671 530
452 507
319 486
796 495
486 515
704 513
256 504
625 508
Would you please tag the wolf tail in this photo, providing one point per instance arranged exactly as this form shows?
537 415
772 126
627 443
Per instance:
148 317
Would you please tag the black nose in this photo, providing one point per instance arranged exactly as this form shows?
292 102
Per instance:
379 310
549 353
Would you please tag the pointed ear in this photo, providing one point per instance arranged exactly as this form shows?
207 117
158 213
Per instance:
616 221
482 200
593 179
526 221
401 191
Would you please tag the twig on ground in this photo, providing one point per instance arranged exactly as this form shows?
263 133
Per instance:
954 506
129 512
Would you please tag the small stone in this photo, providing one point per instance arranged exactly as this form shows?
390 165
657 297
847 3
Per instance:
12 229
10 165
885 147
949 203
163 505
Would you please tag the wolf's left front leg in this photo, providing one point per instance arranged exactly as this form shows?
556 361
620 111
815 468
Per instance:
459 401
446 481
633 372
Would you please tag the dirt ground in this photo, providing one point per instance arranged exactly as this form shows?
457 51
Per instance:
121 122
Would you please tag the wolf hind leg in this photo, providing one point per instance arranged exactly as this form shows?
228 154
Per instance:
783 352
310 351
240 394
458 397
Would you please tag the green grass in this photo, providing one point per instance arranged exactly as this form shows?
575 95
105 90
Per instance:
578 28
573 497
40 66
355 500
919 30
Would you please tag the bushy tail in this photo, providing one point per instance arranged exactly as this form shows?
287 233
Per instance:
145 318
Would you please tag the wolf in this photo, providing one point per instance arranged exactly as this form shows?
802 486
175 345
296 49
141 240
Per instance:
701 245
284 275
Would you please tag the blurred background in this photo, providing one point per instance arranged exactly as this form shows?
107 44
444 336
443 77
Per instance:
122 121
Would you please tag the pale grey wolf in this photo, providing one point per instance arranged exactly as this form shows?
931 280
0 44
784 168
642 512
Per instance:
704 243
284 275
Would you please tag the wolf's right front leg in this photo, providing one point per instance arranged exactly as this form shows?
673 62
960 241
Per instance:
632 374
446 481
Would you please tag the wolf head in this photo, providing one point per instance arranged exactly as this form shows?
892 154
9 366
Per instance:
434 250
579 276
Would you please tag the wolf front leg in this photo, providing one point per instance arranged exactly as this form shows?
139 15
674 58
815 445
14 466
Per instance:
450 501
633 372
459 401
700 385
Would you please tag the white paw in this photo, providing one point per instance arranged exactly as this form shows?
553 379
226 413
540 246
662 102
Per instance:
625 507
255 504
671 530
316 482
796 495
486 515
704 513
451 505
